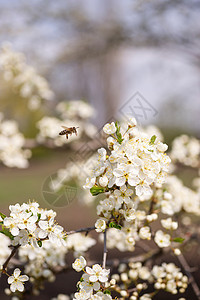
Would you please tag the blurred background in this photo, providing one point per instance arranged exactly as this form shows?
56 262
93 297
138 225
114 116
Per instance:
106 51
115 55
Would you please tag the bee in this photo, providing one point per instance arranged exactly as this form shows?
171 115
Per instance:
68 130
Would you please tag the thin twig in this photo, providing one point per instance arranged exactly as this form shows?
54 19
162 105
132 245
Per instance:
186 267
87 229
13 252
104 251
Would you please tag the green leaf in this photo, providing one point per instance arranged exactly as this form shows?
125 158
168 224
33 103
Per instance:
114 225
95 190
39 243
39 216
107 292
178 240
152 140
2 215
7 233
118 134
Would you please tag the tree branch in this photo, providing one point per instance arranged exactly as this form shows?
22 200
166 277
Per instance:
105 251
13 252
86 230
186 267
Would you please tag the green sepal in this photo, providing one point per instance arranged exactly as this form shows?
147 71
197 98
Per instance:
178 240
2 215
118 134
7 233
96 190
107 292
114 225
39 243
152 140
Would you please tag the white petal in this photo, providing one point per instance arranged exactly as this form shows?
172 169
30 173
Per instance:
15 231
20 286
10 279
23 278
43 224
16 273
42 234
93 278
89 271
120 181
13 287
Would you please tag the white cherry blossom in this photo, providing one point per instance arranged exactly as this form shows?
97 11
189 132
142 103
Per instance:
16 281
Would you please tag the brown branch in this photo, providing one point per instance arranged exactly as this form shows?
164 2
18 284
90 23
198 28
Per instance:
186 267
86 230
13 252
105 251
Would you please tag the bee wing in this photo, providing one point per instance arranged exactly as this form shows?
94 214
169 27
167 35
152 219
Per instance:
67 128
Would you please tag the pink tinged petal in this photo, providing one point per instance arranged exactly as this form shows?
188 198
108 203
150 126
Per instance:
11 279
23 278
20 286
16 273
13 287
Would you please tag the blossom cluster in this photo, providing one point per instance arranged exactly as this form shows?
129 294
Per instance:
186 150
12 143
129 175
91 281
71 113
175 197
23 77
166 277
41 263
135 160
137 204
29 224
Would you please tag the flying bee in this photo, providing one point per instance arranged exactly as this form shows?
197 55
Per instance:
68 130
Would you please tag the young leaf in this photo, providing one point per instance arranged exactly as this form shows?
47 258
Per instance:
7 233
107 292
152 140
118 134
114 225
39 243
95 190
2 215
178 240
